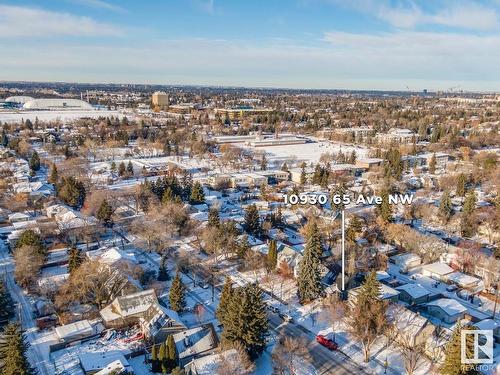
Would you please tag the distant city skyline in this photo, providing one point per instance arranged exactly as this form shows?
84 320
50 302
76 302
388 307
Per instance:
304 44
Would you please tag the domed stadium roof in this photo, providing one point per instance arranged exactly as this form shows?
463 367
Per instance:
54 104
18 99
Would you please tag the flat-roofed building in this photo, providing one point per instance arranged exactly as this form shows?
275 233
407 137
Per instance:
159 100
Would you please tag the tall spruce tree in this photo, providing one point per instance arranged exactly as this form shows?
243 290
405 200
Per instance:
154 359
162 269
122 169
13 352
104 213
171 353
303 176
34 162
246 322
130 168
452 364
197 194
213 217
470 203
432 164
445 206
54 175
243 247
4 140
384 209
225 300
309 278
272 255
461 185
75 259
162 358
252 220
367 316
177 294
6 304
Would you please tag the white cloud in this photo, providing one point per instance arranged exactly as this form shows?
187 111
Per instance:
407 14
343 60
18 21
100 4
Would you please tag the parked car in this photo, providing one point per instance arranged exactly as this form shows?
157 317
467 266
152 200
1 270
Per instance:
326 342
273 309
205 285
451 288
286 317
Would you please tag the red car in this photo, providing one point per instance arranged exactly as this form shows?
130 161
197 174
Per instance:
326 342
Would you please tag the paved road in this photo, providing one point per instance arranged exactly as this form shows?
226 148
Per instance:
24 313
324 360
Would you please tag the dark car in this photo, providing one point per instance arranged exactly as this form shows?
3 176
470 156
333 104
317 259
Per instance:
326 342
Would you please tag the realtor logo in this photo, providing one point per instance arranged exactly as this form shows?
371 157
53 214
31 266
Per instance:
483 346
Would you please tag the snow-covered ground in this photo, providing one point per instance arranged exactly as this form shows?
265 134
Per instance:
308 152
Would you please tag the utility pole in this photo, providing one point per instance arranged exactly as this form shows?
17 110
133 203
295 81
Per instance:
343 251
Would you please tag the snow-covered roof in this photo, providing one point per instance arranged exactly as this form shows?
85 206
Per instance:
438 268
462 279
449 306
56 104
111 255
78 329
414 290
195 340
487 324
95 361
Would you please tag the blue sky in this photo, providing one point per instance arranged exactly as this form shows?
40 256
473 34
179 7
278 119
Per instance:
356 44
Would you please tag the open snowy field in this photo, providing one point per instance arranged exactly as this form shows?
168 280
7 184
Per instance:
17 116
308 152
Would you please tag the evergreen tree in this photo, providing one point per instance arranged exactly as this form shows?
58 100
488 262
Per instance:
4 141
243 247
162 357
104 213
367 316
252 220
31 238
225 299
470 203
272 255
6 304
197 194
75 259
445 206
54 175
246 320
71 191
13 352
34 162
452 364
338 192
263 163
213 218
162 269
122 169
113 167
171 352
384 209
130 168
432 164
168 196
461 185
284 167
309 278
177 294
303 176
154 359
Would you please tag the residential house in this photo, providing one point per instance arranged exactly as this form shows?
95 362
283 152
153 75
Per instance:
195 342
413 294
438 271
446 309
142 308
386 293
